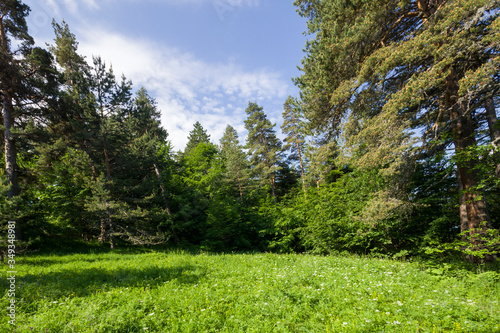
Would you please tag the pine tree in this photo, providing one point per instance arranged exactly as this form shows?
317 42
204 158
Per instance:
13 30
143 126
494 130
263 146
321 161
404 65
294 129
196 136
237 167
77 124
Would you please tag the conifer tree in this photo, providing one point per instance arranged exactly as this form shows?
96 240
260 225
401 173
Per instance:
320 157
196 136
294 129
28 88
263 146
237 166
410 64
77 124
13 31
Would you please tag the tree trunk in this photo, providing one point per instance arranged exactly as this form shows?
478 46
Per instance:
108 178
10 147
302 174
269 165
494 128
273 186
464 139
111 232
10 153
102 236
240 188
464 221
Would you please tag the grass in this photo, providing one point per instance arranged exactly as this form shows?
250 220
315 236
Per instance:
180 292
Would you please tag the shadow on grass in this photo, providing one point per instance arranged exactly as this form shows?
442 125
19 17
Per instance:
44 260
88 281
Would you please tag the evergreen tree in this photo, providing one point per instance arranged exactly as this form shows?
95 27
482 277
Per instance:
263 146
196 136
28 89
237 167
321 161
404 65
13 31
294 129
78 122
139 179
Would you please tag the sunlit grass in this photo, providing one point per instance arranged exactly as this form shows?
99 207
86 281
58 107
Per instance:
178 292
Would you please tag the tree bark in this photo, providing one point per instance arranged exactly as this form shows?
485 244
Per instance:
111 233
302 174
464 221
464 139
8 123
269 165
494 128
10 146
10 154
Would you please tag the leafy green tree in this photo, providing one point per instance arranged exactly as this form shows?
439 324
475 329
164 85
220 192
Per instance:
263 146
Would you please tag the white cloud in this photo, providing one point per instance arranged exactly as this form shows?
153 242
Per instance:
187 89
221 5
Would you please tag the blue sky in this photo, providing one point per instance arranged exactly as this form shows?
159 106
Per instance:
203 60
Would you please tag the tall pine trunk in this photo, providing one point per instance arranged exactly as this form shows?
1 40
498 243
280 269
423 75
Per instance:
494 129
302 174
464 139
8 122
10 153
269 166
464 221
10 146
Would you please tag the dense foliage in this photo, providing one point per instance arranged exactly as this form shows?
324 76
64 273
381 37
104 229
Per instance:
391 147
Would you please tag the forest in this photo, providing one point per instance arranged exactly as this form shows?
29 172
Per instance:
390 149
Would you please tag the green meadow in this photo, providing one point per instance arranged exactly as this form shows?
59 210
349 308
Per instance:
181 292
